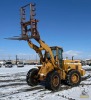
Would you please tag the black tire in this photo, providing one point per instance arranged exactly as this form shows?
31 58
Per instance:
31 77
51 84
73 78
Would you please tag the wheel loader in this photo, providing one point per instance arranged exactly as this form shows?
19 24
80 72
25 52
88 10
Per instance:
54 69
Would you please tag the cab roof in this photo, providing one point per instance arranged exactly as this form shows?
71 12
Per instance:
56 47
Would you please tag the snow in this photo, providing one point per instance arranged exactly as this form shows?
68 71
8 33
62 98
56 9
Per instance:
86 67
14 87
15 69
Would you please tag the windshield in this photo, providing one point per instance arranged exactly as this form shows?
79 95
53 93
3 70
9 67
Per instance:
8 63
47 55
54 52
20 62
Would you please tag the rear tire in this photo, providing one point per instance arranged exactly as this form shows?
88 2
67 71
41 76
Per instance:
53 81
31 77
73 78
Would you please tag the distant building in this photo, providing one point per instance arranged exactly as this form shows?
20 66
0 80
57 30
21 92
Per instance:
88 61
83 62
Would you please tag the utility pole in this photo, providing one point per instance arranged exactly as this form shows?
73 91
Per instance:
16 59
36 57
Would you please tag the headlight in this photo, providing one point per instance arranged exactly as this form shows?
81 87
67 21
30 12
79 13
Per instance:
42 74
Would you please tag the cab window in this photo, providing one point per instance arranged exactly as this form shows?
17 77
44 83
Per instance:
60 54
54 53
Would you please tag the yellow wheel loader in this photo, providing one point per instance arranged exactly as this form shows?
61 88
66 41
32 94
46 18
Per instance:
54 69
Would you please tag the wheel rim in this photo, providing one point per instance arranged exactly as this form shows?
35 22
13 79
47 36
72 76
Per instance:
55 81
75 78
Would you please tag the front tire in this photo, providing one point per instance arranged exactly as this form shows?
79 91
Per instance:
73 78
31 77
53 81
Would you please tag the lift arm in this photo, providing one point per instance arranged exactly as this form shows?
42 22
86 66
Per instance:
36 48
39 50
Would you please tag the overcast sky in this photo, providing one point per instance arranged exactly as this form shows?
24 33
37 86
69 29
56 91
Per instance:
65 23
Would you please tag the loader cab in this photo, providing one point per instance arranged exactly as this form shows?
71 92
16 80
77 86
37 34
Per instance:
57 53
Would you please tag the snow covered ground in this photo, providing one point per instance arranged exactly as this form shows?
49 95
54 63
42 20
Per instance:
87 67
13 86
